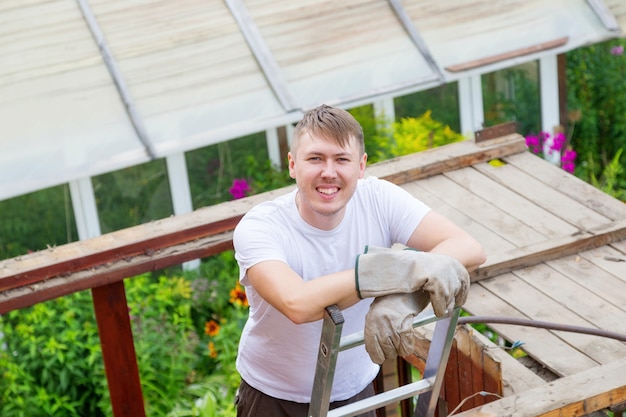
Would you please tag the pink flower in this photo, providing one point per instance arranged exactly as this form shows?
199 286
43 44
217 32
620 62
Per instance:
617 50
239 189
533 143
567 160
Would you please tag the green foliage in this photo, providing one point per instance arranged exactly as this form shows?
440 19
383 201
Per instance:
212 169
134 195
441 101
409 135
611 180
51 361
219 311
34 221
596 98
520 102
417 134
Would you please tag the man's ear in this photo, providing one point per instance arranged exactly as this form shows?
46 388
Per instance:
362 165
291 164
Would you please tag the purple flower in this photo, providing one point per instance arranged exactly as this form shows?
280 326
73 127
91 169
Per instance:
617 50
239 188
533 143
567 160
557 142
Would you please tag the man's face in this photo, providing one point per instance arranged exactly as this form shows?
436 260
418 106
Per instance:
326 175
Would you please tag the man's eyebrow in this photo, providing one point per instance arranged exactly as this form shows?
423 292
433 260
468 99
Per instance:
343 153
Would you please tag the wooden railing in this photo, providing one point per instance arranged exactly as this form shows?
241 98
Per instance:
101 264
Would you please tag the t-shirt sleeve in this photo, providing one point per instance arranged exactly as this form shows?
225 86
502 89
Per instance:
256 240
404 212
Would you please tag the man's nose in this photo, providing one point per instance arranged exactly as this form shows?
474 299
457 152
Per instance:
329 169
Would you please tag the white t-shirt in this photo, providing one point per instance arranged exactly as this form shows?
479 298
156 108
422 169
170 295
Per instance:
278 357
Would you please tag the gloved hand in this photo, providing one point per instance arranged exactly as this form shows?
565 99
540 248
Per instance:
389 328
382 271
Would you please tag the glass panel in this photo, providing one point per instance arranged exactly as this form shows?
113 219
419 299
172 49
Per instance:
512 94
442 101
213 169
133 196
34 221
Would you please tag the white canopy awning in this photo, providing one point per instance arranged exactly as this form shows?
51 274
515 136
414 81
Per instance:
91 86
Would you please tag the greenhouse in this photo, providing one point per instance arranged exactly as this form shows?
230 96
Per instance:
138 133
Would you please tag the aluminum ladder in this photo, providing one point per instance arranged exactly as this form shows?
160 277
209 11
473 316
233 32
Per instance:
427 388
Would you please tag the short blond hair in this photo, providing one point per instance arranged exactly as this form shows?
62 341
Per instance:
331 123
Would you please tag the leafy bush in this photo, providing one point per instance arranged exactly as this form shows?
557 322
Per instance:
51 361
385 140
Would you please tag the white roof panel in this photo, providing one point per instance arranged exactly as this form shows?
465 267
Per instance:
61 115
172 76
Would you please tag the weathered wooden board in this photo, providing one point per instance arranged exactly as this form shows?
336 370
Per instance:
537 306
552 351
574 187
515 205
557 200
575 395
593 309
490 240
597 280
491 216
502 262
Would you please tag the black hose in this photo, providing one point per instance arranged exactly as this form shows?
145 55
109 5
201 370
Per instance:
542 325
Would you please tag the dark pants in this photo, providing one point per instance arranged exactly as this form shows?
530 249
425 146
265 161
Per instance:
253 403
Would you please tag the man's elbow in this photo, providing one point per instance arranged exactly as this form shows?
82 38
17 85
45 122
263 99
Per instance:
298 313
477 258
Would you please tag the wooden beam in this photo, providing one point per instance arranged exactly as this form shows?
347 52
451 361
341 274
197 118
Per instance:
118 350
111 272
446 158
548 250
508 55
592 390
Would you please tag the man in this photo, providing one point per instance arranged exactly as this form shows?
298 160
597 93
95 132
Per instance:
298 254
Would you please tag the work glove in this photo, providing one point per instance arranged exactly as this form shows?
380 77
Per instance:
383 271
389 328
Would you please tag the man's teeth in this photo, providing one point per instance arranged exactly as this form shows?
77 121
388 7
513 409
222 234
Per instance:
328 191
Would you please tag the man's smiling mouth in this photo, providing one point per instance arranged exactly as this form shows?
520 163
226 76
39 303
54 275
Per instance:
328 191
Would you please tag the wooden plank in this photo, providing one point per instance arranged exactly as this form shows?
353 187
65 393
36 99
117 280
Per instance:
592 390
446 158
497 131
112 272
466 379
568 292
477 362
608 259
451 380
545 347
537 305
491 241
489 215
579 269
508 200
576 188
557 201
118 350
515 377
502 262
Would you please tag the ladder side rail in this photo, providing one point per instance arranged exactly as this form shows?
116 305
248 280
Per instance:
436 363
326 361
331 343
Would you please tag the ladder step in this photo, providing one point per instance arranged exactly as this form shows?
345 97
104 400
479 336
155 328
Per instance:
384 398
